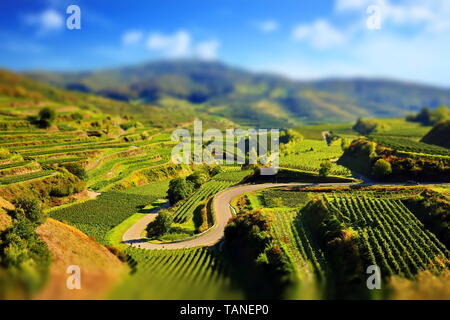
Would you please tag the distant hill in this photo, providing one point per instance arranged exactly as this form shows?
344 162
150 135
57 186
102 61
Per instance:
20 88
19 94
439 135
251 98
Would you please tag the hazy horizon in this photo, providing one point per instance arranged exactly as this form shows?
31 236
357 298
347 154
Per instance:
244 69
302 41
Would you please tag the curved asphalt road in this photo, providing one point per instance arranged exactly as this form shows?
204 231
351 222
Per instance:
222 211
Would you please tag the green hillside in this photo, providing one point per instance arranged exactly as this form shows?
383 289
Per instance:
99 165
21 96
251 98
439 135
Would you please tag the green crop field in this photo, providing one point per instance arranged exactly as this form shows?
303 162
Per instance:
97 217
234 176
13 165
116 169
386 233
303 253
176 274
186 211
314 132
392 236
103 166
408 145
25 177
307 155
284 198
186 216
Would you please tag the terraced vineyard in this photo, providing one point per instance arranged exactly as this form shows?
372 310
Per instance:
307 155
284 198
305 255
234 175
408 145
96 165
314 132
97 217
26 177
112 159
219 182
176 274
392 236
186 211
119 167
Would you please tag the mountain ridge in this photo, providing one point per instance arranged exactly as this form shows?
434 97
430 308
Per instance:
251 97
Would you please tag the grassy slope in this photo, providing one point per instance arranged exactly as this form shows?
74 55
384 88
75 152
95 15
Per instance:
18 91
439 135
100 269
5 220
260 99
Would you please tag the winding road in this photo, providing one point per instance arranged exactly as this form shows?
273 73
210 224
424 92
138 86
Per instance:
222 211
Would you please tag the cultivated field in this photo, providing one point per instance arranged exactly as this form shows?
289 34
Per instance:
96 169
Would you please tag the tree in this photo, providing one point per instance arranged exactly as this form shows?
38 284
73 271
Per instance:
198 178
382 168
46 117
325 168
441 113
215 171
427 117
179 189
424 117
250 246
24 257
369 148
290 136
27 208
77 170
160 225
364 126
368 126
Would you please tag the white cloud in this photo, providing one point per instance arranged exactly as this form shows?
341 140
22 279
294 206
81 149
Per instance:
268 26
181 44
422 58
175 45
207 50
45 21
320 34
51 19
432 14
132 37
412 45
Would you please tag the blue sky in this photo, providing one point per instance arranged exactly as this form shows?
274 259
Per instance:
299 39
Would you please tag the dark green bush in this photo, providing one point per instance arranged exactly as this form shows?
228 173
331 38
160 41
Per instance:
179 189
161 225
76 169
24 257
